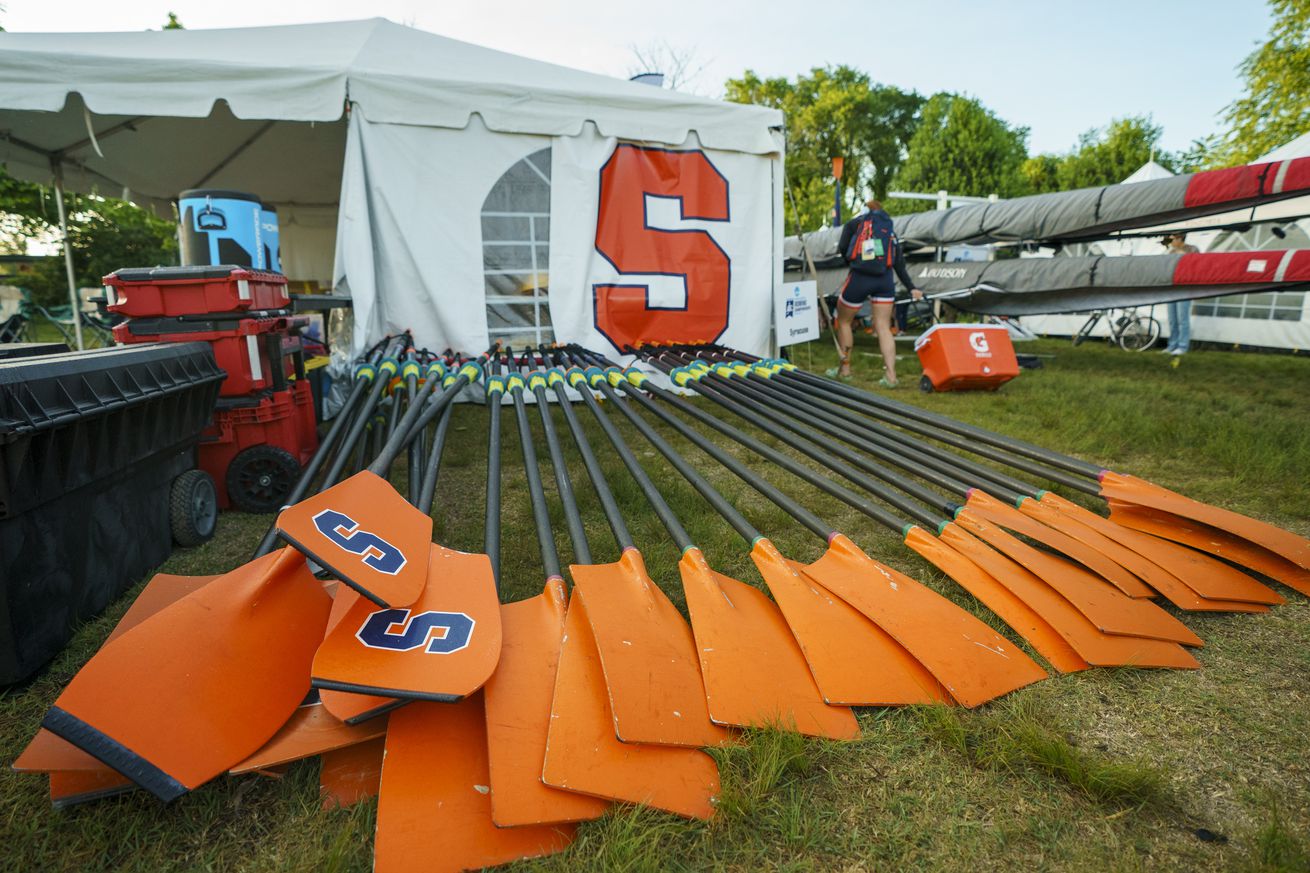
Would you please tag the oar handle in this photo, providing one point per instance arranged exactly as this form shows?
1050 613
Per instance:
662 510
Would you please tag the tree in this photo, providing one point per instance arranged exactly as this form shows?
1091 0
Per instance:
680 66
1103 156
835 112
173 23
962 147
1276 106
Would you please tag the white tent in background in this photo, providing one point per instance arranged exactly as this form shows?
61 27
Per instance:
430 179
1270 320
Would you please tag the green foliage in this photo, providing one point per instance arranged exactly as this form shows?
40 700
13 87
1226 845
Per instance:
1276 106
26 210
173 23
1103 156
835 112
1276 849
963 147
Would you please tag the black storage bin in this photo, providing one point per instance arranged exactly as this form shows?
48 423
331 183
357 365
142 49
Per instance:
90 444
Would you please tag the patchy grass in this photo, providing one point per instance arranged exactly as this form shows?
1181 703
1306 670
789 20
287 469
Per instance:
1107 769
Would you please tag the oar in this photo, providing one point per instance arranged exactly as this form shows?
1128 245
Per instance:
362 530
1109 609
518 695
581 751
1116 486
980 486
921 642
755 673
1034 610
652 673
170 719
364 375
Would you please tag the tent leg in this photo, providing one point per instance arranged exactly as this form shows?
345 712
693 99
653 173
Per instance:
68 255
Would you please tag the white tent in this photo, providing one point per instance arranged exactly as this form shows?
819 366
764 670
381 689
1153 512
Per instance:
457 178
1270 320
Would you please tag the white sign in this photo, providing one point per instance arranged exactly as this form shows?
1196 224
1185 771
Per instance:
796 313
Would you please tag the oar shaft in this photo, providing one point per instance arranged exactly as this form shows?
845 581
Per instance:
536 493
415 448
563 482
431 470
358 426
608 504
491 528
657 501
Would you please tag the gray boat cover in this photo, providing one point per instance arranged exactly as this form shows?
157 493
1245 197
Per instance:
1085 214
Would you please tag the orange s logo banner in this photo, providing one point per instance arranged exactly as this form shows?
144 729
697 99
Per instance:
624 237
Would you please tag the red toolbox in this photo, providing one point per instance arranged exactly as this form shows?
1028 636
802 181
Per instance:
256 449
246 348
154 292
961 357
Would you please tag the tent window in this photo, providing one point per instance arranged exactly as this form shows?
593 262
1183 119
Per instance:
516 252
1280 306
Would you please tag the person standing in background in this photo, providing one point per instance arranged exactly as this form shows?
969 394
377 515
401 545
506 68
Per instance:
1180 311
870 248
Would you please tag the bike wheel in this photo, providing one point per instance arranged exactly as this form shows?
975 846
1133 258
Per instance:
1139 334
1086 330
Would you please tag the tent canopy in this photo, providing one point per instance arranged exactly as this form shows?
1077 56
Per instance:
263 108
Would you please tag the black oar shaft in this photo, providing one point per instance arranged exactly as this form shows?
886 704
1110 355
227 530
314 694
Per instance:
357 427
563 482
656 500
536 493
431 470
785 503
603 493
415 445
491 528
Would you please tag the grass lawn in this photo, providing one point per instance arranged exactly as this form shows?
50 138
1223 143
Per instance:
1104 770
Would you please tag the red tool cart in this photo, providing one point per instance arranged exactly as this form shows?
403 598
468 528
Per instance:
963 357
264 428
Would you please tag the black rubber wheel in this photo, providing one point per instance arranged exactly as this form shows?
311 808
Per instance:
260 478
925 384
193 508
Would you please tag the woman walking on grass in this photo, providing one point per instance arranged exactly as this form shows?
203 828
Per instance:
870 248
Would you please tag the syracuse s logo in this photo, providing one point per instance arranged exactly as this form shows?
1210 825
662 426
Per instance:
397 630
345 532
978 340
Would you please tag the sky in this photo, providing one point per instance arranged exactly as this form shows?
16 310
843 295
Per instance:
1056 67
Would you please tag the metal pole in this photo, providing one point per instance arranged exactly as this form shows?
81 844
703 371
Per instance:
68 252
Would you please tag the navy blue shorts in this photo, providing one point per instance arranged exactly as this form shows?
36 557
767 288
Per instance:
859 287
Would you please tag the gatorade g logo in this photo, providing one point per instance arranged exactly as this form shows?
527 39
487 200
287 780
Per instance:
978 340
342 530
632 180
397 630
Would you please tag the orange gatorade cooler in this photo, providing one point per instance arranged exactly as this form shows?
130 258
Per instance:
961 357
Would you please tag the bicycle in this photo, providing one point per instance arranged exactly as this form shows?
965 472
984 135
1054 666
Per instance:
1132 332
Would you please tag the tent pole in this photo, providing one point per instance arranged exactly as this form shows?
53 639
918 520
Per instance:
58 167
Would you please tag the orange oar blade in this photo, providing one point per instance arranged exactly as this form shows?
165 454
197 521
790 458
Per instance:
518 699
48 752
1105 606
310 731
971 660
367 535
1096 648
755 673
68 788
202 683
648 653
1022 618
1210 539
1130 489
583 754
344 705
1206 584
853 661
351 774
442 648
1009 517
434 802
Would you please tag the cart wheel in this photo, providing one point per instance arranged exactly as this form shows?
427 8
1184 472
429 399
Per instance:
260 478
193 508
925 384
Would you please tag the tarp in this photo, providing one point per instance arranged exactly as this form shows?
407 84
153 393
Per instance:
1091 213
1039 286
435 127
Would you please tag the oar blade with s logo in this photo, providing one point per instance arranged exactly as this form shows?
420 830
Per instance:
367 535
442 647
